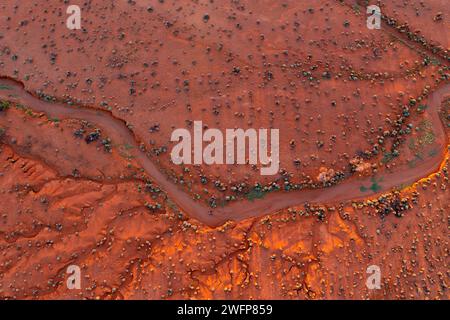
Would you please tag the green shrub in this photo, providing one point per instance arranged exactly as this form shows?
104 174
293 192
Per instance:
4 105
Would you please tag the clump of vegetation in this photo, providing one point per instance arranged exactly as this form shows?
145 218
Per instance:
93 136
317 211
256 193
375 187
212 202
388 156
153 207
426 136
107 145
422 108
203 179
2 132
149 187
4 105
79 133
395 205
76 173
160 150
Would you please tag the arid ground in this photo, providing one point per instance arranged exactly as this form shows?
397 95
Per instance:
87 179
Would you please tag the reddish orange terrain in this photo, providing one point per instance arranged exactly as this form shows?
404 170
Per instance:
94 207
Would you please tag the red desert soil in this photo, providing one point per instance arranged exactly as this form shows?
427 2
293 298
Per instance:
273 202
86 179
